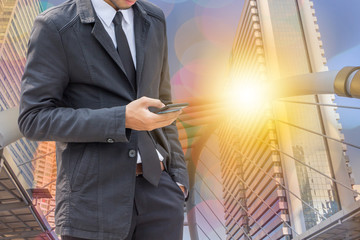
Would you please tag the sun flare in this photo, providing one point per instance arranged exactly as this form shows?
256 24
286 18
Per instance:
246 97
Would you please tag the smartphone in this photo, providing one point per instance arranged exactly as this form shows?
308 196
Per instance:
171 108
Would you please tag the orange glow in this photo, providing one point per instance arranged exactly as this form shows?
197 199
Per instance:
247 97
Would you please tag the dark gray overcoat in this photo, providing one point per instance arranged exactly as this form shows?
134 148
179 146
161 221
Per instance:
74 92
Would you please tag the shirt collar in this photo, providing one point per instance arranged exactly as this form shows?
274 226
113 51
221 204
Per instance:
107 12
128 15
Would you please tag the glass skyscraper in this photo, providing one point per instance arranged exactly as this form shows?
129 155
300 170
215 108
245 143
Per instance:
15 27
269 154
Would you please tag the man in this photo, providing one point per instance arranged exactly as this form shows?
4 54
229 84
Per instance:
93 69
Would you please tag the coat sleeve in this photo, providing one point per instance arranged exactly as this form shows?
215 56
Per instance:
43 117
178 169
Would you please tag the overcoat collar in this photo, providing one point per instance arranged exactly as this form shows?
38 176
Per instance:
87 14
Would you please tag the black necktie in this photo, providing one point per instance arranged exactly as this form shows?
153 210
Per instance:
124 49
149 157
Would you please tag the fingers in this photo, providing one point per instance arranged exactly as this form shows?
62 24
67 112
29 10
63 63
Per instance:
167 116
138 116
162 120
183 189
151 102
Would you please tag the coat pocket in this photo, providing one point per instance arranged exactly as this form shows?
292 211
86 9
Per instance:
80 160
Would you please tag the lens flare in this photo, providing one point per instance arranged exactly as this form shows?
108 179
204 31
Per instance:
249 97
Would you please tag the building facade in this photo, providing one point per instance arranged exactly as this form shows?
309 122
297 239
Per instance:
271 154
45 177
16 21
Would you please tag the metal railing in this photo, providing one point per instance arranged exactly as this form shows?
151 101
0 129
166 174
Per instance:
345 82
10 133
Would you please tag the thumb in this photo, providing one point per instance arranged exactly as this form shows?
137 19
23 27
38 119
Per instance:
151 102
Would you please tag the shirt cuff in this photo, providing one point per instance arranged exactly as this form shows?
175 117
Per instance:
186 193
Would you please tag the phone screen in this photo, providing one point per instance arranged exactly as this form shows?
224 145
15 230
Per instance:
172 108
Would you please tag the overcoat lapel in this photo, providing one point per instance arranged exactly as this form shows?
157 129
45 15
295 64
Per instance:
141 28
104 39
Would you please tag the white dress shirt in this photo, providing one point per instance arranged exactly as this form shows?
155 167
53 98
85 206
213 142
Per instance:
106 14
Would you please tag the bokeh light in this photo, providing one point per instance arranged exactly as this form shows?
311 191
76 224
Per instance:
186 36
214 24
166 6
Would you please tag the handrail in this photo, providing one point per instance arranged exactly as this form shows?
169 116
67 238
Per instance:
343 82
9 130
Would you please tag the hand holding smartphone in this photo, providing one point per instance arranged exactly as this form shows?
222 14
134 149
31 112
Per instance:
171 108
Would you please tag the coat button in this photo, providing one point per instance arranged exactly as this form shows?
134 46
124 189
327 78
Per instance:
110 140
132 153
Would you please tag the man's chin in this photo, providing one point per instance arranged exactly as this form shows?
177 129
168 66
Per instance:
129 3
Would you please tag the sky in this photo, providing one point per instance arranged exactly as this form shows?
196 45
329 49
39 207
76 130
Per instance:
340 32
200 36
